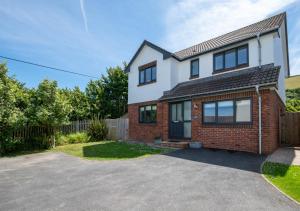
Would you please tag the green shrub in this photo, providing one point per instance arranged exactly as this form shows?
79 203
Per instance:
34 143
72 138
12 145
97 130
293 105
40 142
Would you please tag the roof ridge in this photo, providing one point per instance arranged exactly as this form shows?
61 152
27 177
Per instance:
283 13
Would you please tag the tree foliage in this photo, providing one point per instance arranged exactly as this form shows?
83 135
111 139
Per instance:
108 96
79 103
13 102
293 100
48 106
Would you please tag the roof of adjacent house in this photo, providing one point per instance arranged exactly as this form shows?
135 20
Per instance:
236 80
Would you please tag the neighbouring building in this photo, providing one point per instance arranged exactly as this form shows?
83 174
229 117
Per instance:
227 92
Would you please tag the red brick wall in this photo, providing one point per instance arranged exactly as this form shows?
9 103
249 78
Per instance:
231 137
240 137
147 132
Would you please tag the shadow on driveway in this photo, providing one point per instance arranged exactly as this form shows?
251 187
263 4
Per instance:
238 160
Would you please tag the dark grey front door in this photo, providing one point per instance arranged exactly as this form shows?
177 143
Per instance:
180 120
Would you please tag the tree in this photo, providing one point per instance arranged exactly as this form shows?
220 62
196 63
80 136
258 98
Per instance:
293 100
13 102
115 92
293 105
48 106
107 96
79 103
95 92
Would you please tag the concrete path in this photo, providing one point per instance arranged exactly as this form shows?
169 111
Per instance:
182 180
288 155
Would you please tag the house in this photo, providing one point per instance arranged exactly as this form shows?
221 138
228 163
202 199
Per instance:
227 92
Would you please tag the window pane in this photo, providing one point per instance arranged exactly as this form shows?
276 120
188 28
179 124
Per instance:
225 112
209 112
142 80
153 113
243 111
148 114
154 73
195 68
179 112
187 129
219 62
148 74
141 114
230 59
187 110
174 112
242 56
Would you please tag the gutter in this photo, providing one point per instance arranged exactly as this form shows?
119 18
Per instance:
259 121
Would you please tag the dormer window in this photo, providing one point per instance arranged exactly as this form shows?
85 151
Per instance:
231 59
147 73
194 68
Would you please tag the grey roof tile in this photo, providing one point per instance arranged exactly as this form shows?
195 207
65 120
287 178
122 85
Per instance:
250 31
239 79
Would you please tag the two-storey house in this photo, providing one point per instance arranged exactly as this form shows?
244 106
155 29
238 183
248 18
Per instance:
226 93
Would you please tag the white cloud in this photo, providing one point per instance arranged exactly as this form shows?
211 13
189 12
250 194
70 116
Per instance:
82 9
192 21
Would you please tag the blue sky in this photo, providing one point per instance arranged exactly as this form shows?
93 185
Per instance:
87 36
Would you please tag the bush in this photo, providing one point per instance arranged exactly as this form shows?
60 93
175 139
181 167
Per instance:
12 145
293 105
34 143
97 130
73 138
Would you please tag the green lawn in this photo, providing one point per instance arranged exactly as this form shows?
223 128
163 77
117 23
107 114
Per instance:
285 177
292 82
109 150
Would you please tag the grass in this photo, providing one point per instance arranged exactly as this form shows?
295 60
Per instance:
292 82
109 150
285 177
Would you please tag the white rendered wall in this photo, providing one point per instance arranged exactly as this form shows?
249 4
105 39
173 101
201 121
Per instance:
151 91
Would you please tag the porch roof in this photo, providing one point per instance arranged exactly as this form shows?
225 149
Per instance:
266 75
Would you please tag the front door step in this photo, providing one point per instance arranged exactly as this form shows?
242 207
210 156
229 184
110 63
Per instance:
176 145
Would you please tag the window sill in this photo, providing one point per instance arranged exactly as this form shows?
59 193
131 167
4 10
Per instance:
194 77
148 123
229 125
229 69
151 82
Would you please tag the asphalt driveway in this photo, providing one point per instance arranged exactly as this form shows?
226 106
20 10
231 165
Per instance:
181 180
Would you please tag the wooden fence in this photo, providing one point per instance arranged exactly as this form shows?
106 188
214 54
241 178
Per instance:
290 129
117 129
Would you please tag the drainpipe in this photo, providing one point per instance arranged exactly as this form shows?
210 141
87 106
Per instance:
259 119
259 49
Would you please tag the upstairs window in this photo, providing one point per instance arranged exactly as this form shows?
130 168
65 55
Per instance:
194 68
242 56
219 61
147 73
147 114
231 59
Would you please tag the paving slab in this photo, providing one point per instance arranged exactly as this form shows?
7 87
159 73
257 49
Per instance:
287 155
